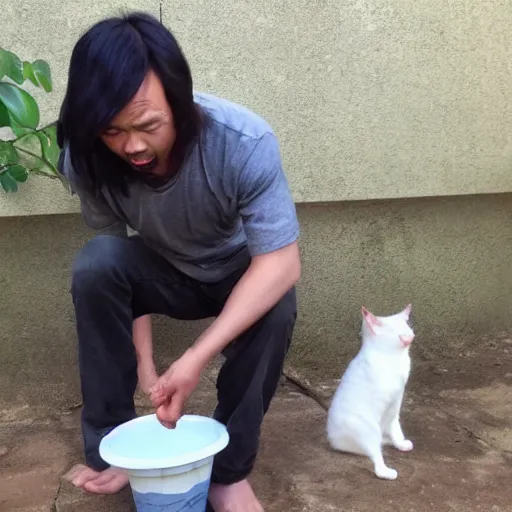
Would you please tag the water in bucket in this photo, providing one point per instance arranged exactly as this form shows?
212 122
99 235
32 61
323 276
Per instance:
169 469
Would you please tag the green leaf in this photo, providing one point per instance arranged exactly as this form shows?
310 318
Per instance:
19 173
11 66
28 73
51 150
30 151
9 184
5 120
20 104
43 74
39 152
8 153
19 130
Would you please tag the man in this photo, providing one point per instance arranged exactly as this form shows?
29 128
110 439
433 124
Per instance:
200 180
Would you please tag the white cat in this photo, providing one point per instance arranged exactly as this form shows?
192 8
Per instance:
365 410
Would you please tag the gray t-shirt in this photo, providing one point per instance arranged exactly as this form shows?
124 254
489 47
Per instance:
229 201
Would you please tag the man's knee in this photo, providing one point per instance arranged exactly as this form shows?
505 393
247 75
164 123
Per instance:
277 326
96 262
284 313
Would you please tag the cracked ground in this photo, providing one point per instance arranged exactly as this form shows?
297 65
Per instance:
458 412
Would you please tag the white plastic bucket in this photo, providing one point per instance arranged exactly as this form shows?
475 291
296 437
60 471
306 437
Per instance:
169 469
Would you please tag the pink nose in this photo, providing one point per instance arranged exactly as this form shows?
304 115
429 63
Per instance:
406 340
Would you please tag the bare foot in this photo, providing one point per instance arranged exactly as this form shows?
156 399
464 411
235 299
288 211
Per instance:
109 481
147 375
237 497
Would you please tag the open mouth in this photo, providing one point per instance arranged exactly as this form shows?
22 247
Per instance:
144 165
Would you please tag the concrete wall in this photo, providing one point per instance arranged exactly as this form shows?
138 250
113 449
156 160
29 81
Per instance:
450 257
402 106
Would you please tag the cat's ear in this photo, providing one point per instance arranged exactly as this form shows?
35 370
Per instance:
406 313
370 319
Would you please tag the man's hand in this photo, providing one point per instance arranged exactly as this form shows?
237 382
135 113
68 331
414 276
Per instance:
174 387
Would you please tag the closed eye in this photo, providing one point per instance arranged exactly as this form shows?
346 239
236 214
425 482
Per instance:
111 132
149 126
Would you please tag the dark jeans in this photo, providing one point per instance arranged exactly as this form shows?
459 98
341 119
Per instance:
118 279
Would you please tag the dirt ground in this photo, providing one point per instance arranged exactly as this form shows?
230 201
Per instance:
458 413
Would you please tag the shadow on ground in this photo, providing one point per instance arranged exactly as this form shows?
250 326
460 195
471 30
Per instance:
457 413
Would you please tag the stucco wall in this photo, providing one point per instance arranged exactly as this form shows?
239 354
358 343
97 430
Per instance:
449 257
370 98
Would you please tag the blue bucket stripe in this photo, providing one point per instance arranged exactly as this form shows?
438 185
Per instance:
193 500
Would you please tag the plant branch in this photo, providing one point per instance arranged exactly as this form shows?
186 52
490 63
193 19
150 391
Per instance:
42 158
291 375
32 130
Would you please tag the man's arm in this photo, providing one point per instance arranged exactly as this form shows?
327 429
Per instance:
270 223
271 226
269 277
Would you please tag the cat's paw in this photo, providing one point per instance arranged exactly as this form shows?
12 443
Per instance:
405 446
386 473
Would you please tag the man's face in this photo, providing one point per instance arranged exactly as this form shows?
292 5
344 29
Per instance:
143 133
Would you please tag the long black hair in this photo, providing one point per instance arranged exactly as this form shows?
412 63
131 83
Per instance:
107 67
